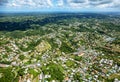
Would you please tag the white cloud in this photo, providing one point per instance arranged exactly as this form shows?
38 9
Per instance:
78 3
116 4
13 5
49 3
60 3
74 4
30 3
94 3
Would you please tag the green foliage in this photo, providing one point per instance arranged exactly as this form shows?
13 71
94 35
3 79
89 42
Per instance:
77 77
21 71
34 73
116 41
56 71
70 63
5 62
65 48
32 32
21 57
31 45
7 75
8 49
5 56
16 34
78 58
3 42
52 43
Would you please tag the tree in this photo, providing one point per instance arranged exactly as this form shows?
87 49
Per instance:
7 75
56 72
21 57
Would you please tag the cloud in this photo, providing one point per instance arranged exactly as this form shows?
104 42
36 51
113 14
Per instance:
78 3
30 3
71 4
97 2
94 3
60 3
3 2
115 4
49 2
100 3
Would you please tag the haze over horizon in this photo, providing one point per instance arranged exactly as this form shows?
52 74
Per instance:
59 5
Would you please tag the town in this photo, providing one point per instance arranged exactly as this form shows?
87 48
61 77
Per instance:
82 47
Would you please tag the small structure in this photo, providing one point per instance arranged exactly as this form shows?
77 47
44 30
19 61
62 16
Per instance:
4 65
81 54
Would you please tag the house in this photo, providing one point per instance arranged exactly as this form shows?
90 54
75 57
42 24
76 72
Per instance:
4 65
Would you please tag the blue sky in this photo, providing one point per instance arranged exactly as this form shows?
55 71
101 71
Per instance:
59 5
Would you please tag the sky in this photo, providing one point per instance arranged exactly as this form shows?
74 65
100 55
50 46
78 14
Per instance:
59 5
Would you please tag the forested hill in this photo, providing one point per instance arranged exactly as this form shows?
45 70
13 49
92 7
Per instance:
23 22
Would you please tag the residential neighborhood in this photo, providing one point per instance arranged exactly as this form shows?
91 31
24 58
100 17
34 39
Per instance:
60 48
